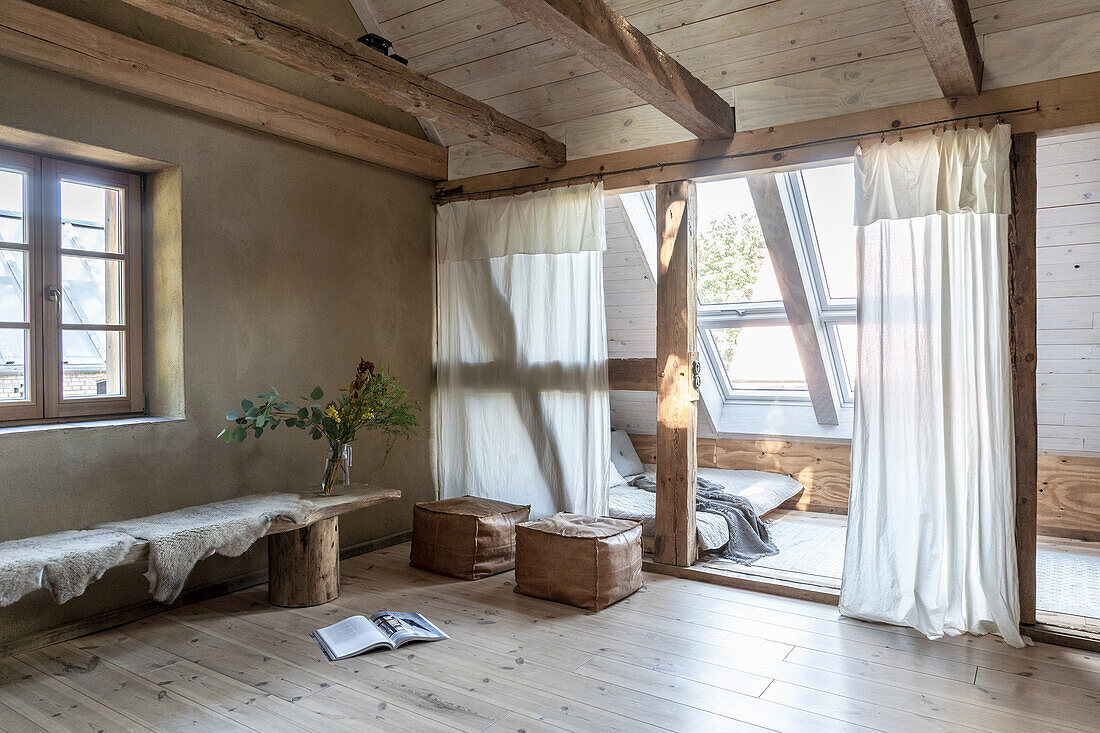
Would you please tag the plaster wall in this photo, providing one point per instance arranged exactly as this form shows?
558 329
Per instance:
289 263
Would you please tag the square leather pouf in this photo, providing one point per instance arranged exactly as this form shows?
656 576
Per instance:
467 537
589 562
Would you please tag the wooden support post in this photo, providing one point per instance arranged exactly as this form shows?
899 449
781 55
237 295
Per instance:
303 565
1022 324
677 460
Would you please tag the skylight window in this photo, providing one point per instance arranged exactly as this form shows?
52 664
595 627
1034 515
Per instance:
743 321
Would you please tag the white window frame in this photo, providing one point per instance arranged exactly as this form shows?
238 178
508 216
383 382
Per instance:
827 312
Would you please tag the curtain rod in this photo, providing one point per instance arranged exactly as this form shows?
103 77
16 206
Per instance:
456 195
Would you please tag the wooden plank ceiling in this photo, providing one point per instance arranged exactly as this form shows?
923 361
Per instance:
775 61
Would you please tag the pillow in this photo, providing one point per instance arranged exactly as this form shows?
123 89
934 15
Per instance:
613 477
624 456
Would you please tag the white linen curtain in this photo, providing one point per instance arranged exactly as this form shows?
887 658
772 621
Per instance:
931 540
523 405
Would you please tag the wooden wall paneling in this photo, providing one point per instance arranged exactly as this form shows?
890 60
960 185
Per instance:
946 31
1068 503
1069 497
57 42
676 350
295 41
822 468
777 236
1022 332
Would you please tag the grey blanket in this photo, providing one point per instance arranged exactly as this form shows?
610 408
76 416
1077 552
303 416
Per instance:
749 540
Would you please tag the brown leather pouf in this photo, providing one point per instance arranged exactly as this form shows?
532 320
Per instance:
589 562
467 537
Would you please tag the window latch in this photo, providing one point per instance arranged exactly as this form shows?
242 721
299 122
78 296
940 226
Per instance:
53 294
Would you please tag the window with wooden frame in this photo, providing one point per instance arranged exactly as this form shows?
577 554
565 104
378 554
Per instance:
70 290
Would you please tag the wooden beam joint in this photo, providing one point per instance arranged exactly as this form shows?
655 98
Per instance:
607 40
946 31
293 40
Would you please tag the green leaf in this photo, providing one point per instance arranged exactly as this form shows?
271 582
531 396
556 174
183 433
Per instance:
253 412
232 415
303 414
259 432
316 434
317 393
240 434
247 405
260 420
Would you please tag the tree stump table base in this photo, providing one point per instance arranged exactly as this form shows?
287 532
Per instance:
303 565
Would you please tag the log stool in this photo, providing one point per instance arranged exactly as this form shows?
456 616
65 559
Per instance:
589 562
467 537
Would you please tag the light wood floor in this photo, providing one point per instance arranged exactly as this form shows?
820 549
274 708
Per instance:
678 655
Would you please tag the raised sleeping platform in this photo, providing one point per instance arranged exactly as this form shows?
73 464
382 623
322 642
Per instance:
765 491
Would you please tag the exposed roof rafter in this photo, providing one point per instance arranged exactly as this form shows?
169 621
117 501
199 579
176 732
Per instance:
946 31
607 40
50 40
297 42
777 238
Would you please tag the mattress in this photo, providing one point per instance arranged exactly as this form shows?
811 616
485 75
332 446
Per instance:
765 491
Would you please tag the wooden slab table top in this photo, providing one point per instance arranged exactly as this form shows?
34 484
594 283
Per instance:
303 558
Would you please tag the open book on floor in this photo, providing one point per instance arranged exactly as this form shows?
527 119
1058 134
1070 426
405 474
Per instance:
383 630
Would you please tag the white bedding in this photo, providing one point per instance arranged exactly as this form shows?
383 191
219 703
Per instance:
765 491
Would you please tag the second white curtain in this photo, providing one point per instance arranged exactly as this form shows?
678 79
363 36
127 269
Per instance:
931 539
523 408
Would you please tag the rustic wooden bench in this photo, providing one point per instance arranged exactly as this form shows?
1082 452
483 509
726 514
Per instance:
303 559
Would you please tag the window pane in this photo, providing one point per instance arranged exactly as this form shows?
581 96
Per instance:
760 357
92 363
847 336
91 290
13 368
831 197
11 207
13 285
90 217
733 262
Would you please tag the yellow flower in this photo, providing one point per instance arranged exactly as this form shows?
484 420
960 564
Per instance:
332 412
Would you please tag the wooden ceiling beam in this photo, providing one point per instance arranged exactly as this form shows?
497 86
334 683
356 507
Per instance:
946 31
297 42
1046 105
53 41
602 37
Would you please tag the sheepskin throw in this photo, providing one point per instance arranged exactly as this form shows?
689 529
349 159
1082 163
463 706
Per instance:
179 539
63 563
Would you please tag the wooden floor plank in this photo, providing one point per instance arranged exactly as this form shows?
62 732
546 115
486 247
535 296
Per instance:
407 700
235 700
677 655
124 692
13 722
947 695
52 705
